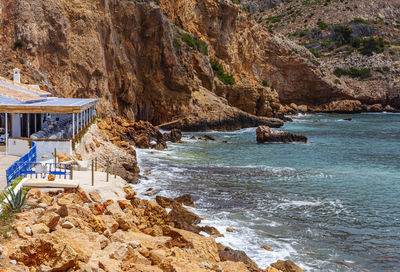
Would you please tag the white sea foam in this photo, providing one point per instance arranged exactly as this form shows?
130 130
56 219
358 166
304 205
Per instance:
246 236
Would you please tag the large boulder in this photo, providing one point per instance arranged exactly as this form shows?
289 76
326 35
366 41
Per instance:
180 215
186 199
143 141
166 202
286 266
229 254
50 219
175 136
266 135
203 248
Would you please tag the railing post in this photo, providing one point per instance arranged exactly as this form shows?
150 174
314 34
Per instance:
96 164
115 169
55 155
72 171
108 165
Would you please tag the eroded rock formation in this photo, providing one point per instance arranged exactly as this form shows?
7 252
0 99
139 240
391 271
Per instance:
149 61
266 135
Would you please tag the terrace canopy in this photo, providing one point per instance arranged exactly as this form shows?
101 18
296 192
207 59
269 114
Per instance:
27 111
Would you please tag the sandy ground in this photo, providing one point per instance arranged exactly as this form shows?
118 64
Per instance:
5 162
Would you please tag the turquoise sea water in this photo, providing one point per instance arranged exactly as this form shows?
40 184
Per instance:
332 204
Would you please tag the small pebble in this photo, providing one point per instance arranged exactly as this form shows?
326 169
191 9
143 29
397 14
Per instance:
14 262
67 225
28 231
42 205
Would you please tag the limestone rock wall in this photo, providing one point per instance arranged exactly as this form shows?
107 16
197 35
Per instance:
131 55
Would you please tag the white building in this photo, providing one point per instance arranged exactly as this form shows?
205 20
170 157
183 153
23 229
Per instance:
28 112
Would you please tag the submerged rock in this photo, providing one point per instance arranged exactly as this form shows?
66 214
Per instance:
266 135
174 136
207 138
186 199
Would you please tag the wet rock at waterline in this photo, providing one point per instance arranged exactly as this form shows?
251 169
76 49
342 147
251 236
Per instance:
266 135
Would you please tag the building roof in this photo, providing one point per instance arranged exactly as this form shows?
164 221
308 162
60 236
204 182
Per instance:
19 95
49 105
21 98
22 87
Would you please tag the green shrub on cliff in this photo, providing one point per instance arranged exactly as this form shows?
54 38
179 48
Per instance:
220 73
322 25
343 34
195 43
18 44
371 45
275 19
353 72
177 45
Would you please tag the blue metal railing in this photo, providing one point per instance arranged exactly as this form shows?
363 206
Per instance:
22 165
36 169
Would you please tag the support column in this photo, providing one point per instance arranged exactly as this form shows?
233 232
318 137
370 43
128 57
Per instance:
6 133
73 125
35 123
81 120
29 127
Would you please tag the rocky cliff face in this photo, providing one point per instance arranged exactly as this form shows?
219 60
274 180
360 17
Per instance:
206 60
355 45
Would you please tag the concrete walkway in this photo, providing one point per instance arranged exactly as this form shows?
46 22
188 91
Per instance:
113 189
5 162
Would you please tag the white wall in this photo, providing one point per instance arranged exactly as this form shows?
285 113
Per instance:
18 147
47 147
16 125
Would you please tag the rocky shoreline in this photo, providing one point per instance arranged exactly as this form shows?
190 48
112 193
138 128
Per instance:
92 230
72 230
341 106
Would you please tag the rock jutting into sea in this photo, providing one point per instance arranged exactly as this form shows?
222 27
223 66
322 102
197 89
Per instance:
267 135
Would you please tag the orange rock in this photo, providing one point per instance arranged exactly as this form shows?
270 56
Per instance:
108 202
97 208
50 219
286 266
115 139
125 204
129 192
95 196
83 195
61 157
110 222
92 147
34 193
97 224
39 229
78 156
267 247
96 142
51 177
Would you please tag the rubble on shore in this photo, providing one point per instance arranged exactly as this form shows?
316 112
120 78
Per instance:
72 230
